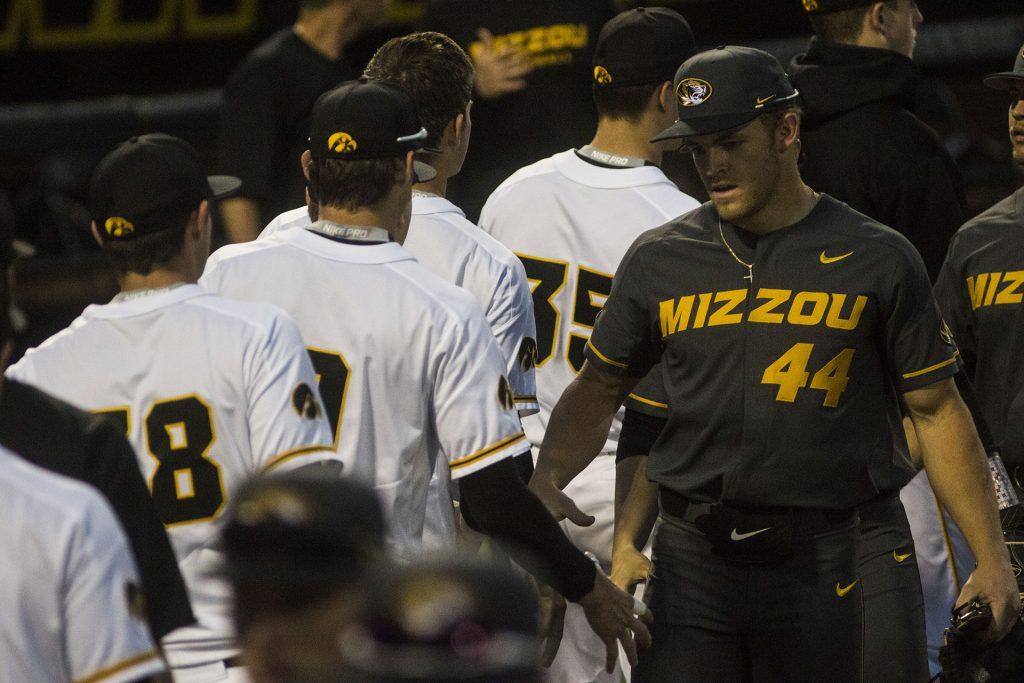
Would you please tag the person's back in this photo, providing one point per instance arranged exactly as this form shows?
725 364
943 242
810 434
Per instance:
862 143
184 372
73 609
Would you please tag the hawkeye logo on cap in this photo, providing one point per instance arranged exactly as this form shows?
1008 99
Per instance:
810 5
118 227
693 91
342 143
601 75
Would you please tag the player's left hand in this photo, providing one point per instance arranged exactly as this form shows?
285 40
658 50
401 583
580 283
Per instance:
994 585
629 568
558 504
614 616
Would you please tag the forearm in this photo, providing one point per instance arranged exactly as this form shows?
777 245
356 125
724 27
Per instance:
496 502
241 219
579 425
636 504
957 468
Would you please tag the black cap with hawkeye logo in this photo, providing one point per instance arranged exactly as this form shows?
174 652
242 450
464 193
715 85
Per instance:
147 182
1004 80
364 120
640 46
826 6
725 88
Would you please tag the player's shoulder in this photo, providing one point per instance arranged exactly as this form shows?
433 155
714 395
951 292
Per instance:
52 346
294 218
269 58
55 502
437 298
667 199
883 243
234 255
532 175
258 316
477 244
1006 217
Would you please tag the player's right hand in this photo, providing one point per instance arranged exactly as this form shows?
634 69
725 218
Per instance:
499 70
612 614
558 504
629 568
995 585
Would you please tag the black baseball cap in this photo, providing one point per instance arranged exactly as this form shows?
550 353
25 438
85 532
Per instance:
1004 80
302 529
144 185
725 88
363 120
642 45
826 6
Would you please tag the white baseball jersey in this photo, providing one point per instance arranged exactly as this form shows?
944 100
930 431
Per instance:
570 222
408 359
72 603
211 392
457 251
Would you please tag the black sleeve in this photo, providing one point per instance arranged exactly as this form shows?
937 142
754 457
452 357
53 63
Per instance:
638 434
249 128
167 602
496 502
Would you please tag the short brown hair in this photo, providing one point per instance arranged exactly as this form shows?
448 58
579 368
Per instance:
435 72
627 103
352 185
845 26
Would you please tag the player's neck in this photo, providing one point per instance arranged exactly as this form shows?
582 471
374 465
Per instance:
366 217
157 279
624 138
438 186
791 202
326 30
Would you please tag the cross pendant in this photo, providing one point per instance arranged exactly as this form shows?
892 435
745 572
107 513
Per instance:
750 275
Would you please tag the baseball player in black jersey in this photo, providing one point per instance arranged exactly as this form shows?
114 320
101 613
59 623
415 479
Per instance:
789 327
980 290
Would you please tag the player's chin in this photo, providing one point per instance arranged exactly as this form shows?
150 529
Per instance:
1018 152
729 205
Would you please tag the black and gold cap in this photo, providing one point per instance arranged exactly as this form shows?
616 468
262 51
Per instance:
363 120
1004 80
725 88
144 185
302 528
826 6
639 46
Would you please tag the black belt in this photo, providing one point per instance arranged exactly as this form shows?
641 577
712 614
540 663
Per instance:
805 521
233 662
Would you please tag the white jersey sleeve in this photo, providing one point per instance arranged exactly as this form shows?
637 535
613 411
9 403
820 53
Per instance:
475 411
106 636
287 423
515 330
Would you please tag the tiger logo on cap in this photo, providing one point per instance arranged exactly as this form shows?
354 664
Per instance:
693 91
342 143
601 75
811 5
118 227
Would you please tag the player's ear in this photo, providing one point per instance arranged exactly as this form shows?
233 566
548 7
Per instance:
410 174
203 215
96 234
666 96
306 161
787 132
876 19
460 128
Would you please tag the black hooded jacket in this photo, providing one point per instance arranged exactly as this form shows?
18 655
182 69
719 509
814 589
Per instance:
862 144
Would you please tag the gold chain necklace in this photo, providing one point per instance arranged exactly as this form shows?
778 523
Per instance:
749 266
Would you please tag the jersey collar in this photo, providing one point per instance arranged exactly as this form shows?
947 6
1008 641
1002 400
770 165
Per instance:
578 170
369 254
423 206
144 304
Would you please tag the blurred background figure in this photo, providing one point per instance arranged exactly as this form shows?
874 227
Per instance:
297 545
264 117
445 619
532 97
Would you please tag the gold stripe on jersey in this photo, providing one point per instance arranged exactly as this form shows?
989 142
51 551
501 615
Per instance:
487 450
524 399
282 458
119 667
930 368
605 358
637 397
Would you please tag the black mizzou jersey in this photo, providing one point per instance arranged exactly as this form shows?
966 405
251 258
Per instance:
981 292
782 387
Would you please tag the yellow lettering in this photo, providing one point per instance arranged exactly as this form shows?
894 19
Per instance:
976 288
675 317
835 320
797 316
702 310
1011 293
724 315
993 284
763 313
834 377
